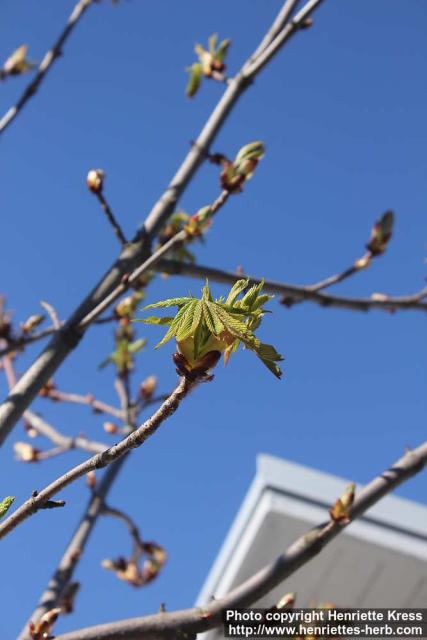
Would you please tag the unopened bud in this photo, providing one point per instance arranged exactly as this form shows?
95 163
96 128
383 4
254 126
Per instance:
95 180
110 427
91 479
25 452
148 387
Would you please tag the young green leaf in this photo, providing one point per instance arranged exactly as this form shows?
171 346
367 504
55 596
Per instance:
196 73
5 505
208 325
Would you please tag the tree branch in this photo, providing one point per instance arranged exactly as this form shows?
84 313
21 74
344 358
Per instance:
101 460
45 64
133 254
63 574
65 442
20 342
294 293
197 620
277 26
299 21
89 401
176 240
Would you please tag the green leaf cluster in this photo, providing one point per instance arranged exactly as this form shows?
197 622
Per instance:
204 325
236 173
210 61
126 346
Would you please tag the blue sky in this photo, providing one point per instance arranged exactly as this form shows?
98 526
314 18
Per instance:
342 113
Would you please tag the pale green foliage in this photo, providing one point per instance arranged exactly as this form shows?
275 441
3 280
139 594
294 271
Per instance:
203 325
5 505
210 61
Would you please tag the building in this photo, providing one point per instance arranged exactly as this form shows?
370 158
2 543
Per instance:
380 560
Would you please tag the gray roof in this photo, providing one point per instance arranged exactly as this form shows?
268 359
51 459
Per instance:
379 561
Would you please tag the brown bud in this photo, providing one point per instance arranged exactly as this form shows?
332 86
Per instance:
91 479
148 387
110 427
209 361
47 388
95 180
306 24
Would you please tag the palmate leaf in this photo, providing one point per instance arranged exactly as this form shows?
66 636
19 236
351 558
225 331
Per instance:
155 320
252 295
212 318
236 290
207 325
171 302
186 326
261 301
269 356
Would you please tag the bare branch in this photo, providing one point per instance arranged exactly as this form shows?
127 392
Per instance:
95 183
133 254
197 620
101 460
294 293
45 429
74 398
16 344
56 323
111 219
150 263
20 342
63 575
277 26
339 277
46 63
299 21
62 443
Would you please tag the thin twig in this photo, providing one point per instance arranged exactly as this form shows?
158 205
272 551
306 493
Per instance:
45 64
330 281
299 21
45 429
56 323
174 242
19 343
199 619
294 293
280 22
111 218
74 398
138 546
63 575
101 460
133 254
62 443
